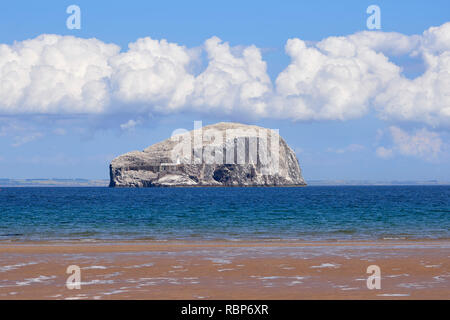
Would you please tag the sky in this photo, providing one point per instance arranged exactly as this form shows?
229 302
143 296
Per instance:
353 102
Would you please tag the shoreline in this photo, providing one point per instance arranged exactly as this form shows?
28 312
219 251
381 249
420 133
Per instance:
225 270
225 242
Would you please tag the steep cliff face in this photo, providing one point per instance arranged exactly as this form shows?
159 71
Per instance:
223 154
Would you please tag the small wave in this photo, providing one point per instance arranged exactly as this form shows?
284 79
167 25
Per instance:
344 231
83 234
94 267
393 295
326 265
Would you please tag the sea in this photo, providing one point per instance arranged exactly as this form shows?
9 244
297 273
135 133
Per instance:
313 213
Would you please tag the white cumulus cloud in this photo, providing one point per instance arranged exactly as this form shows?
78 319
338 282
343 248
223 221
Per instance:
55 74
153 73
426 98
335 79
232 80
338 78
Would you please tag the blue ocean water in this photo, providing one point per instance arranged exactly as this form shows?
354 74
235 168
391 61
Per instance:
310 213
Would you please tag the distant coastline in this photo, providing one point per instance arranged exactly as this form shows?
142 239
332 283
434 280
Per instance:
79 182
377 183
4 183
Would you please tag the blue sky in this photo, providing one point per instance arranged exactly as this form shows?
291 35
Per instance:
367 139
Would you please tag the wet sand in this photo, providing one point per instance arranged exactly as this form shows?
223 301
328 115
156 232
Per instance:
225 270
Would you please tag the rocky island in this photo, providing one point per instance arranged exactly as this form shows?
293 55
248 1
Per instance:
223 154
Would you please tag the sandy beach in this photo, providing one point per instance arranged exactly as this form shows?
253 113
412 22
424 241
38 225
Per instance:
225 270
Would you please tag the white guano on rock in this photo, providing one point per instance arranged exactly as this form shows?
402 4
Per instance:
223 154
